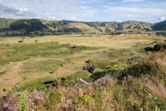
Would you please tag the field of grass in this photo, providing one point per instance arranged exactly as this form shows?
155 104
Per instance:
83 73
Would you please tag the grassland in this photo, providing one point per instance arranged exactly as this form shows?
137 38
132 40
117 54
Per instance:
125 77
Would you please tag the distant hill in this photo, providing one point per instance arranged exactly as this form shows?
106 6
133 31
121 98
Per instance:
136 26
5 23
15 27
70 26
28 25
161 26
124 26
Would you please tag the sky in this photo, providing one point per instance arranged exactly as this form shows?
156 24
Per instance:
85 10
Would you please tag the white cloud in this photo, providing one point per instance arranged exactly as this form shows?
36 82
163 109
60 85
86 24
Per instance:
52 18
23 10
162 18
133 0
52 9
7 11
135 11
85 10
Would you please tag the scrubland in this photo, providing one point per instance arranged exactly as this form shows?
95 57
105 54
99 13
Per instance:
83 73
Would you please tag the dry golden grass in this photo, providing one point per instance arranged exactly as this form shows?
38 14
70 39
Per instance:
116 41
10 78
103 42
83 27
157 89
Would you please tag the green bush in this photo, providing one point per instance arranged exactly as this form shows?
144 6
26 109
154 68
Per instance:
23 102
73 79
53 100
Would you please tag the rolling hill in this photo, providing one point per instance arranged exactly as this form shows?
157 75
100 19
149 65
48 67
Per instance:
161 26
136 26
4 23
15 27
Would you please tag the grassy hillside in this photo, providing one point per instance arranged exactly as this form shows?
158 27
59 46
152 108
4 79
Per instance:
5 23
136 26
127 26
161 26
83 27
27 25
10 27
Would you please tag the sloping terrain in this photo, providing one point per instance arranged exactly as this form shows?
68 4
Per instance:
5 23
12 27
136 26
83 27
73 72
160 26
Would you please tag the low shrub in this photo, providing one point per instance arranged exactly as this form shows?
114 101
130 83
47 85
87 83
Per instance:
23 102
54 100
138 70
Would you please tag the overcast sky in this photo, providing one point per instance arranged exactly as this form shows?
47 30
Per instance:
85 10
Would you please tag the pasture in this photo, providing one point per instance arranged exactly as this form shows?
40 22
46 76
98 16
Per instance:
62 55
35 62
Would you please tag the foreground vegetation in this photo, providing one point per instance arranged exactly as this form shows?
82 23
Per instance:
69 77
